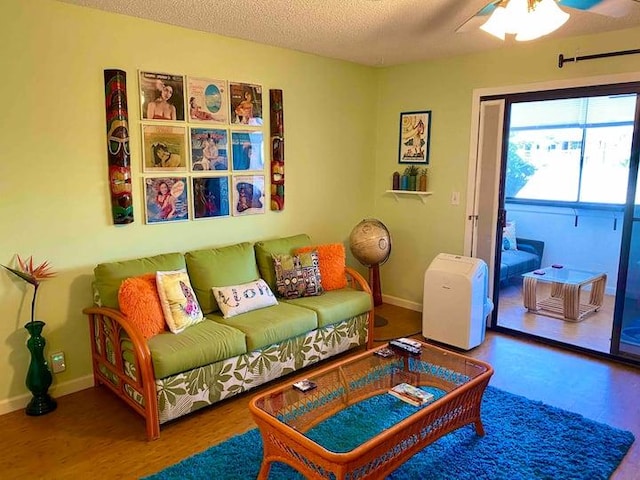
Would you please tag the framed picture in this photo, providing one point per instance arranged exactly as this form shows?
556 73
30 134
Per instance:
247 150
209 149
415 132
246 103
161 97
166 199
207 100
248 195
164 148
210 197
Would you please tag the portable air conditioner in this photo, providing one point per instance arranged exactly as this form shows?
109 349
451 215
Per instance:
455 304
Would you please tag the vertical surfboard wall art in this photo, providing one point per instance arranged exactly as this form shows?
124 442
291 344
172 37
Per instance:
118 152
277 149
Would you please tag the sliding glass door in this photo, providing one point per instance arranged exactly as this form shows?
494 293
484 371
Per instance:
567 200
626 334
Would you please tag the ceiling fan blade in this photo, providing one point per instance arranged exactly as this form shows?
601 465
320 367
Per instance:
478 18
609 8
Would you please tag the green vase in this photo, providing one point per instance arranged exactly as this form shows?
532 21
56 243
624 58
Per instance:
38 376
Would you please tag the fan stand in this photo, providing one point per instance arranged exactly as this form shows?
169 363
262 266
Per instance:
374 282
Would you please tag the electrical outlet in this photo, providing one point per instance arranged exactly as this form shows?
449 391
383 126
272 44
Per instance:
57 362
455 198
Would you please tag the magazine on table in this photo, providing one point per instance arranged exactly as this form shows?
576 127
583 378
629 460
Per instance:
410 394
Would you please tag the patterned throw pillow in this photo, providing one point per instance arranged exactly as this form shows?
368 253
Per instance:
236 299
179 303
139 301
509 237
333 260
298 275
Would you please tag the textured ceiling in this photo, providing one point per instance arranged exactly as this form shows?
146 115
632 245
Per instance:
370 32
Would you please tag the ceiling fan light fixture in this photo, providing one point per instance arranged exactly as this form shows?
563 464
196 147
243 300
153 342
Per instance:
546 17
496 25
518 12
527 19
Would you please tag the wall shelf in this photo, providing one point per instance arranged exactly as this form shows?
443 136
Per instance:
421 195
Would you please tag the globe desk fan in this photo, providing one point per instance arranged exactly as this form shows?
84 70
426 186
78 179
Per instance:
370 244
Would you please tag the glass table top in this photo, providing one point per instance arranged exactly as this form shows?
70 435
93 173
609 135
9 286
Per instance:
566 275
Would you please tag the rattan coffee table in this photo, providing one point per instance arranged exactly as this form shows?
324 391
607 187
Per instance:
566 284
284 414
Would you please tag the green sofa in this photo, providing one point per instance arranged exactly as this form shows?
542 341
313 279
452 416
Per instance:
170 375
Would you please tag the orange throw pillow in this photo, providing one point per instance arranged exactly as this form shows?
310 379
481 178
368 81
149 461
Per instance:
139 301
332 259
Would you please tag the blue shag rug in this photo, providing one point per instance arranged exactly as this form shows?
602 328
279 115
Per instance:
524 439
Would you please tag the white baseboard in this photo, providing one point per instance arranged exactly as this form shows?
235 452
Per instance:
57 390
400 302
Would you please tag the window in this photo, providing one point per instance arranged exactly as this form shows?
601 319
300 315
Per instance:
570 150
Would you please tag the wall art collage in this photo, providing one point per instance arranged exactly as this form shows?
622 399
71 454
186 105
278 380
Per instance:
202 147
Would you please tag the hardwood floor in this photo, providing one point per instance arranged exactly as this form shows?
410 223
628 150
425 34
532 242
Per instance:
92 434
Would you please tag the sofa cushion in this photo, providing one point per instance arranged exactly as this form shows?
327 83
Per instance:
266 249
179 303
139 301
336 305
516 262
109 276
333 260
220 267
298 275
236 299
271 325
201 344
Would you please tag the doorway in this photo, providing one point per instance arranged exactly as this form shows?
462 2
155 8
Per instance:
557 169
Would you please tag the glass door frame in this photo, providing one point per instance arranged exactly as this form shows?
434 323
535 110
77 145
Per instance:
605 88
630 220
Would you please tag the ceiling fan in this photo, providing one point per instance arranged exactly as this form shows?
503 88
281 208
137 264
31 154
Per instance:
530 19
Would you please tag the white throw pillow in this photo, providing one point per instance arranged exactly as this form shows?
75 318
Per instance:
236 299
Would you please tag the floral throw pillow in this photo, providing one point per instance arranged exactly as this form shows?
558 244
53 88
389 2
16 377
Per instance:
298 275
179 303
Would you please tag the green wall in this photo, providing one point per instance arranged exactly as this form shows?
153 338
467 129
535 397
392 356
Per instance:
421 231
341 127
53 174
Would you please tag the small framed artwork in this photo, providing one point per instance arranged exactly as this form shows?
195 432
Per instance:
209 149
247 150
248 195
210 197
164 148
415 133
166 199
208 100
246 103
162 97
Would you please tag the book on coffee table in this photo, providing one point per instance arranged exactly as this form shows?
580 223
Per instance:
410 394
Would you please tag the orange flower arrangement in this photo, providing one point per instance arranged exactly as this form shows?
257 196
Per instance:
33 275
